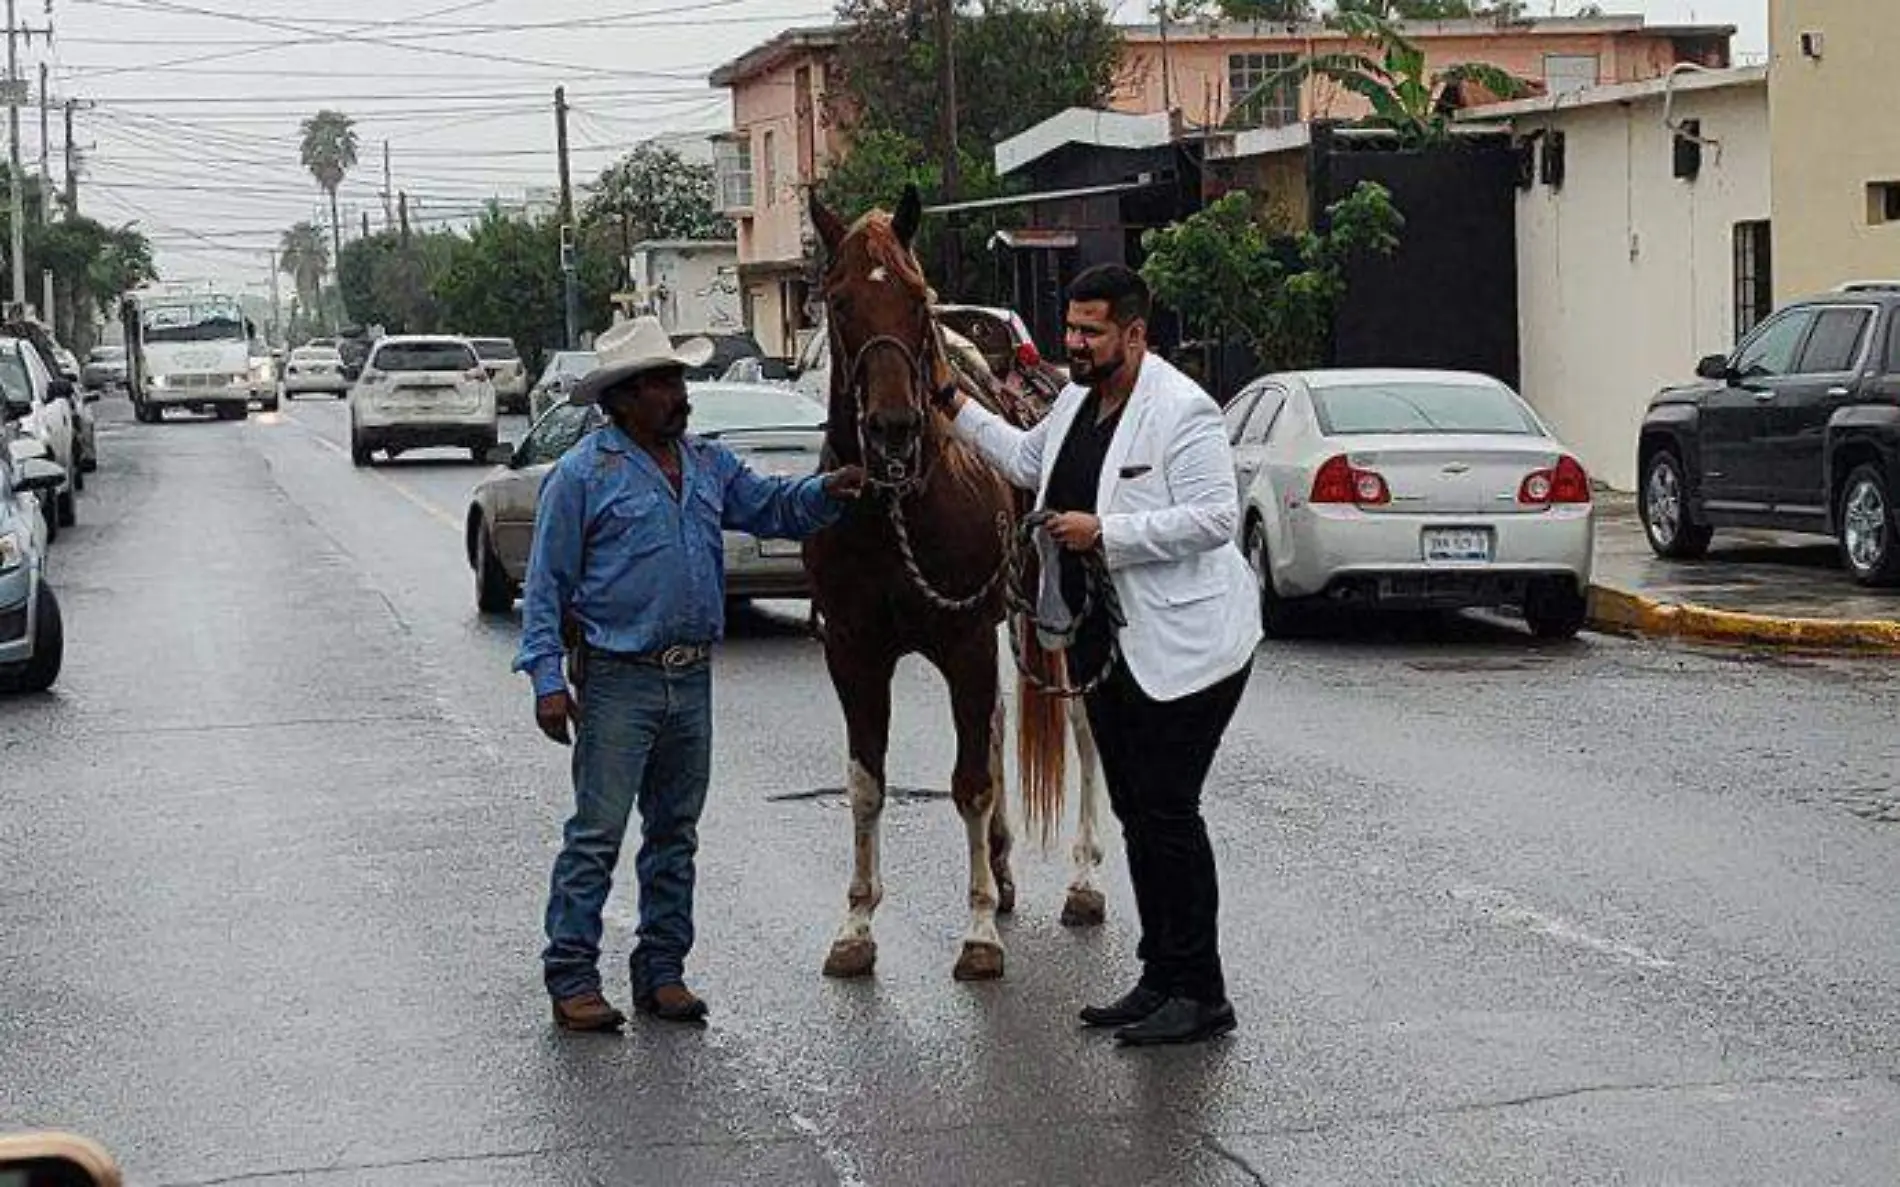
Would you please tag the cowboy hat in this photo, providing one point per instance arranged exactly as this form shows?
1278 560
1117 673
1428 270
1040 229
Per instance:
632 348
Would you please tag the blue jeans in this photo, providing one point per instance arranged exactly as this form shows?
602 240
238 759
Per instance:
645 741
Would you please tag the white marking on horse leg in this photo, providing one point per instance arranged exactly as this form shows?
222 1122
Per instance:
1086 853
976 825
866 793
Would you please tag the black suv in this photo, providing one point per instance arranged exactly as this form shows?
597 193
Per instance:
1798 430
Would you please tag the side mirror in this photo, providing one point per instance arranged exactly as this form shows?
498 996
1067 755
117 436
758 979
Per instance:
501 453
56 1160
38 474
60 389
1714 366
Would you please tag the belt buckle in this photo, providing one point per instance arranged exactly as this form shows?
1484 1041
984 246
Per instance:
677 656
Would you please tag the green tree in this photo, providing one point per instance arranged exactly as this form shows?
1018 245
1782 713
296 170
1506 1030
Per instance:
303 256
389 279
654 193
1405 96
1431 10
1018 63
1231 275
328 151
503 279
92 265
1290 11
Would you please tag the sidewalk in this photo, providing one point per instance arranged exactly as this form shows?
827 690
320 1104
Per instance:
1765 588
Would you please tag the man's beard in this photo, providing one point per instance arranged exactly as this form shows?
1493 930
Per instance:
675 426
1090 373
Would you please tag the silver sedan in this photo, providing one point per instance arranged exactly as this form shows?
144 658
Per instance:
1397 488
775 430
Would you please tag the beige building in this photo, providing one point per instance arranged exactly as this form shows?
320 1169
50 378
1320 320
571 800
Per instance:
1836 144
691 285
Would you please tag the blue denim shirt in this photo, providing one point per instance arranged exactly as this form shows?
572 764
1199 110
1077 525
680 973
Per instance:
640 569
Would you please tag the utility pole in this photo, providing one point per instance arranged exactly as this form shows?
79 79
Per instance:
276 311
402 208
366 224
389 214
46 137
72 162
570 286
18 175
952 174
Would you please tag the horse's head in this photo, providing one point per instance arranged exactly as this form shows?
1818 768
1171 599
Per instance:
885 361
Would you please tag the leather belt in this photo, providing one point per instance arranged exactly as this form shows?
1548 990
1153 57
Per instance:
680 655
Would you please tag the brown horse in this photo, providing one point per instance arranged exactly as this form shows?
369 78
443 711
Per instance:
918 568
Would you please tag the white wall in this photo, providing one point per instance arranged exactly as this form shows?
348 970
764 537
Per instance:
1626 274
693 290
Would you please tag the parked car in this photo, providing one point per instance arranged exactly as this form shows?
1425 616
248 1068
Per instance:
43 408
419 392
32 636
774 430
67 365
315 370
1798 430
506 371
104 369
563 368
1402 488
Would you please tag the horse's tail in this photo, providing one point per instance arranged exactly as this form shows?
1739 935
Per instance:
1041 751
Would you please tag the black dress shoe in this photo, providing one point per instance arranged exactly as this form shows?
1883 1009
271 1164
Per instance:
1179 1020
1132 1007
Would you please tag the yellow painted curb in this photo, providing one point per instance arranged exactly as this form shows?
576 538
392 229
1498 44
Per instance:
1620 612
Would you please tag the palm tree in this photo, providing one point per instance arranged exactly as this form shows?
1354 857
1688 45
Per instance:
329 152
305 258
1405 98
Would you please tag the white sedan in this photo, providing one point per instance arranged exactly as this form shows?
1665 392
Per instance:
1409 489
44 409
315 370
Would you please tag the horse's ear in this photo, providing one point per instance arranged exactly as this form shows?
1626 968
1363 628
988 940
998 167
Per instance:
831 230
910 215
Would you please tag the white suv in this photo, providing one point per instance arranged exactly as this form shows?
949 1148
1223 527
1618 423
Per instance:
421 392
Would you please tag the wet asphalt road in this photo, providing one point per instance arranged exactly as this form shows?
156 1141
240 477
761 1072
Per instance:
275 851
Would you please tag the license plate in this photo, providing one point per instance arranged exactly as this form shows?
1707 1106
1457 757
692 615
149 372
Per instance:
1457 544
776 548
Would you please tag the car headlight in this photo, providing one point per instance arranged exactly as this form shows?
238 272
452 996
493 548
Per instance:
12 551
161 381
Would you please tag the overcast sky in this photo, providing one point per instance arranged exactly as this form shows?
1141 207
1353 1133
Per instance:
193 132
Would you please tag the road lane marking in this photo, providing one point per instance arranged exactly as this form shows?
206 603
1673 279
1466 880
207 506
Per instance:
424 505
1502 907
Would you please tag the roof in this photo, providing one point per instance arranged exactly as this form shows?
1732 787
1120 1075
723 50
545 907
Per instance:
1680 82
763 57
1085 126
685 245
1560 26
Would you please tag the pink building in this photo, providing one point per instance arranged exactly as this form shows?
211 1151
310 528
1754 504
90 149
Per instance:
782 137
1201 69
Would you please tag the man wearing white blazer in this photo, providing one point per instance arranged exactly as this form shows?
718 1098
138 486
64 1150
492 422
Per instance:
1134 461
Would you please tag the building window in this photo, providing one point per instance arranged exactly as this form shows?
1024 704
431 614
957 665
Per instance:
732 172
1883 202
1274 109
1567 73
768 168
1754 282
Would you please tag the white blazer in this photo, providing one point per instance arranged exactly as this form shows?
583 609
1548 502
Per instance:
1169 507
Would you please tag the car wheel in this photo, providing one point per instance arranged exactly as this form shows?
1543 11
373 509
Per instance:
1279 617
1870 540
66 508
359 451
269 405
234 412
143 413
79 475
49 648
494 591
1663 501
49 511
1556 608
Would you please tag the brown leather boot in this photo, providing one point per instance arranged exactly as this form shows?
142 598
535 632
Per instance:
671 1003
587 1011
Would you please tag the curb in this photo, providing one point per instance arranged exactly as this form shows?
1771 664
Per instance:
1623 613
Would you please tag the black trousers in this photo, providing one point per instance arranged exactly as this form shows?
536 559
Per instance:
1155 757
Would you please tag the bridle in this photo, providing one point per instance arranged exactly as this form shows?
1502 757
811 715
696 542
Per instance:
896 476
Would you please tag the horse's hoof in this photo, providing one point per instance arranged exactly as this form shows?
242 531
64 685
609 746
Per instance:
849 959
1084 908
979 962
1005 897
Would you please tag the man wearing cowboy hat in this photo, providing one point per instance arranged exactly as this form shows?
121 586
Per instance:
628 549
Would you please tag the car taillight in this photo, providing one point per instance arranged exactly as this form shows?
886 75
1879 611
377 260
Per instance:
478 374
1566 483
1339 481
372 377
1027 355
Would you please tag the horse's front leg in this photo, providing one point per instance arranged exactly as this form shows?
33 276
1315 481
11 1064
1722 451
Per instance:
976 787
864 690
1085 904
1001 842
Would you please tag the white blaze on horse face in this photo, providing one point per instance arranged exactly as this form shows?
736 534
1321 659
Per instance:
866 794
1086 853
880 274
